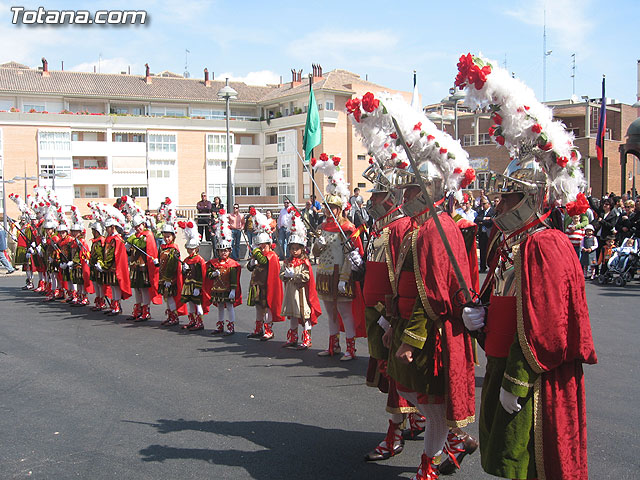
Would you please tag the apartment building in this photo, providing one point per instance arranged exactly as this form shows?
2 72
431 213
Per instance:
99 136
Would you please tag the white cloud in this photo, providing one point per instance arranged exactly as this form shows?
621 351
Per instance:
109 65
568 21
262 77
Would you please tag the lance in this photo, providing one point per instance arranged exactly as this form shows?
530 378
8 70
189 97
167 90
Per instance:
347 242
469 302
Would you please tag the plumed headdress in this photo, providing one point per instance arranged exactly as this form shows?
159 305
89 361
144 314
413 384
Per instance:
129 205
191 233
261 229
97 218
112 216
295 226
169 214
76 221
224 238
337 188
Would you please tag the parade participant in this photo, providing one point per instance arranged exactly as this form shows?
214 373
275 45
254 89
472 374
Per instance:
538 334
430 352
96 255
194 270
170 267
336 284
143 268
80 274
114 266
265 288
300 301
38 206
49 253
64 256
27 235
223 277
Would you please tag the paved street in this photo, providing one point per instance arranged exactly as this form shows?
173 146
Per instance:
85 396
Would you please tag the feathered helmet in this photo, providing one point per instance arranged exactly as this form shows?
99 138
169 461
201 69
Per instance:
137 215
97 218
76 221
190 233
63 221
169 214
295 226
25 210
113 217
49 214
442 162
223 231
337 187
262 229
544 160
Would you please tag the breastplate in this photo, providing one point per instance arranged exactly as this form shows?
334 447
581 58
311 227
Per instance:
332 254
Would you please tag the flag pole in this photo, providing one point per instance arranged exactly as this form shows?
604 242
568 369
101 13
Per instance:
313 172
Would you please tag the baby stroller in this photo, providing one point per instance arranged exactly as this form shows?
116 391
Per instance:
622 265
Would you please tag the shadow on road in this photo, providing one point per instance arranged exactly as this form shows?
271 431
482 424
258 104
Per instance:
288 450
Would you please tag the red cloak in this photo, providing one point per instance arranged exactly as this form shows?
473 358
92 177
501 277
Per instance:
312 295
231 263
206 299
152 251
106 289
181 309
274 289
84 261
439 284
469 232
122 264
554 332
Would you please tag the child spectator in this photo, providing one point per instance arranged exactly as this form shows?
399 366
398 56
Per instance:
575 233
588 246
606 253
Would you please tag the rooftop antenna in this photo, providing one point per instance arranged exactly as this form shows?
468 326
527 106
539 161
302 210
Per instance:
573 73
545 54
186 63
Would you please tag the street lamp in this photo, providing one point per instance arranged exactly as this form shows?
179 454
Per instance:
226 93
455 96
53 177
18 178
587 117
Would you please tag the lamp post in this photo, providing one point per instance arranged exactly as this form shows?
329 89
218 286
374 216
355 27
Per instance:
455 96
226 93
25 178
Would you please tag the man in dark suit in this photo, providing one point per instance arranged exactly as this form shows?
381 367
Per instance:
484 220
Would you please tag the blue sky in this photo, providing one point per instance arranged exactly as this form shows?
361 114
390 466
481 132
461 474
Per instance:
259 41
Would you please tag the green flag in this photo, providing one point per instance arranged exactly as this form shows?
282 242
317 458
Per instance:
312 130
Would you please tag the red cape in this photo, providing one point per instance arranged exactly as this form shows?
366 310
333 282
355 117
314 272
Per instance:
231 263
181 309
440 285
469 232
312 295
152 250
274 288
554 332
106 289
357 305
206 298
122 265
86 271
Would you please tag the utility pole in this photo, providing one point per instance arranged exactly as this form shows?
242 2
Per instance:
573 73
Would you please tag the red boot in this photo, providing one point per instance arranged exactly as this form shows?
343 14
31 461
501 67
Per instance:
192 321
74 298
416 426
59 294
219 328
334 346
198 325
97 304
459 445
268 332
137 311
115 308
41 287
145 314
173 319
257 333
306 340
292 338
426 470
231 329
351 350
392 444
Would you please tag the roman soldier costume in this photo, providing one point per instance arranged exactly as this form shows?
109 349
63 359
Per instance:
27 239
538 334
96 255
114 265
194 270
223 277
80 253
265 288
339 251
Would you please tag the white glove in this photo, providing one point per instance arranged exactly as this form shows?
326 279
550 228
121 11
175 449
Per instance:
355 259
40 250
63 265
156 262
185 267
33 244
384 324
321 241
473 318
69 264
509 401
98 267
167 284
215 273
232 294
28 255
342 286
31 250
288 272
196 292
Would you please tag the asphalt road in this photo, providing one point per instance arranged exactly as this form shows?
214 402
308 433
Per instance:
85 396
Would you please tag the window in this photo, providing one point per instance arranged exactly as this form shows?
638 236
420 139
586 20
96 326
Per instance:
55 141
219 164
171 111
33 107
217 143
75 136
467 139
129 137
160 168
272 139
285 170
138 137
86 107
287 190
91 163
91 192
272 190
208 113
120 137
329 105
484 139
130 191
217 190
77 193
248 190
362 185
481 181
281 146
362 157
162 143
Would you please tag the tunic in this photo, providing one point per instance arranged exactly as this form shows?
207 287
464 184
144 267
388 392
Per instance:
229 279
300 296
